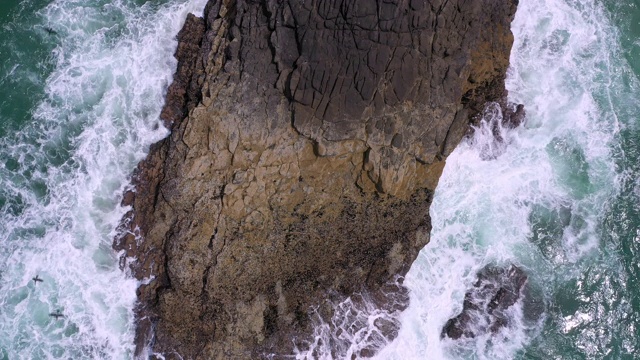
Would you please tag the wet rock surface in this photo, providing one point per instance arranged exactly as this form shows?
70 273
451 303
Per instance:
492 130
359 326
513 115
485 305
307 140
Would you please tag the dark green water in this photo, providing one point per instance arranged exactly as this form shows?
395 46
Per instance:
26 61
81 86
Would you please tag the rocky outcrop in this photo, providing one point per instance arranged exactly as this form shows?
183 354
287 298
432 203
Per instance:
307 140
486 305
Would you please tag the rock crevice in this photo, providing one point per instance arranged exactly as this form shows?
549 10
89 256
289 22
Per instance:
307 138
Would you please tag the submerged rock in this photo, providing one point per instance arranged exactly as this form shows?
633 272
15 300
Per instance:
513 115
307 140
490 132
485 305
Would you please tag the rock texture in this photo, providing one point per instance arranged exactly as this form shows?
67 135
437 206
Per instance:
486 304
307 140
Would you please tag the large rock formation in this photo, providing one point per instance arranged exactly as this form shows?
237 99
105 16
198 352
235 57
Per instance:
307 140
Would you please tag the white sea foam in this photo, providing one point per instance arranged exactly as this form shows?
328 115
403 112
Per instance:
113 63
493 211
357 327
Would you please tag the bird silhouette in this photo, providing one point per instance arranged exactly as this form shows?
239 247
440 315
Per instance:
57 314
50 31
36 280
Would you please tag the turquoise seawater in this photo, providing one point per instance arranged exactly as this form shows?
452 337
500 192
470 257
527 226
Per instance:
560 198
81 88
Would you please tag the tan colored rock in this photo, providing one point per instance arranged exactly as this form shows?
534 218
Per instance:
307 140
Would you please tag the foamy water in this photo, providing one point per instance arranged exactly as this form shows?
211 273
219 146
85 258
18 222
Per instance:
539 204
64 171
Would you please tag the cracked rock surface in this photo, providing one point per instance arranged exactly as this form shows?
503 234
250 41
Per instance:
307 138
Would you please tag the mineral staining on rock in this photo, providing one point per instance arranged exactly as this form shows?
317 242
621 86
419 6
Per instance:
307 140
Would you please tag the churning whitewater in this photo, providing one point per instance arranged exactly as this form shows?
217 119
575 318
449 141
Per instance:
95 93
541 199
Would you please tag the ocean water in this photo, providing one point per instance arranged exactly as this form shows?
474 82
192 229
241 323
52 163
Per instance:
81 88
559 198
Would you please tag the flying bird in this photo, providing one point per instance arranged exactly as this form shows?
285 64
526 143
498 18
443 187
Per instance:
36 280
57 314
50 31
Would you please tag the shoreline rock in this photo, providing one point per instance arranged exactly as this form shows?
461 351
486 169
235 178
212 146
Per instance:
486 305
307 140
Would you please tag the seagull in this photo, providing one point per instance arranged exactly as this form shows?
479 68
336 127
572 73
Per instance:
36 280
56 314
50 31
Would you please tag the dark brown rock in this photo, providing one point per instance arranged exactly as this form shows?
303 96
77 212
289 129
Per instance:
307 140
485 305
184 93
513 115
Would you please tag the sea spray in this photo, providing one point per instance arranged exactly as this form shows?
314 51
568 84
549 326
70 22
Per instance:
357 327
539 202
64 169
